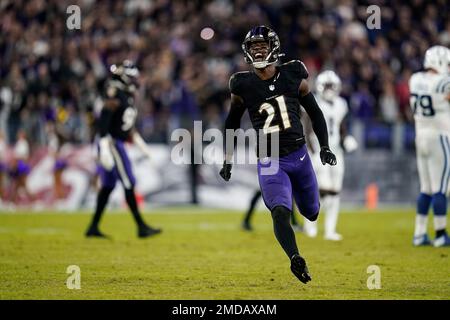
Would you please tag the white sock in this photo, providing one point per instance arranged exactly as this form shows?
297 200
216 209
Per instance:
440 222
331 215
421 225
311 226
325 204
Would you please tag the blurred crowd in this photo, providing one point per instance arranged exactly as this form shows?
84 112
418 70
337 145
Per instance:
51 76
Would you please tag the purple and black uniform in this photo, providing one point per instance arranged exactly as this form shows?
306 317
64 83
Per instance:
121 122
274 107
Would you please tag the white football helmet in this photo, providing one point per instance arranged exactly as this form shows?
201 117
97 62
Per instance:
437 58
328 85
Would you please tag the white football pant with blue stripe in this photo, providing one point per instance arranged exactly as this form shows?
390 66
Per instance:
433 162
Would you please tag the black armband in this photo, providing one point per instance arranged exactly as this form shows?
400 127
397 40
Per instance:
319 124
104 121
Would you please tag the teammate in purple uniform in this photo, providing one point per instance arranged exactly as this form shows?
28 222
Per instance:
272 94
116 126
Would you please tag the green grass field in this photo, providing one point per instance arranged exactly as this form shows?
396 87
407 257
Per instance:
207 256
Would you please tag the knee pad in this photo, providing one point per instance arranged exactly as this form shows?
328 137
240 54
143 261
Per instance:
439 204
281 213
423 203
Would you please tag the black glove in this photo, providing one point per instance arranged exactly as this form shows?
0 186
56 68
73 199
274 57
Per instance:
225 172
327 156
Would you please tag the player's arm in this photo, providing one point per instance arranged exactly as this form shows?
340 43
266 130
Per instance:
110 104
318 122
105 154
308 131
105 116
348 142
140 143
232 122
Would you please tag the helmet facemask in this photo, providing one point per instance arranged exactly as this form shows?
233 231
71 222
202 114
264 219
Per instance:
330 91
253 47
328 85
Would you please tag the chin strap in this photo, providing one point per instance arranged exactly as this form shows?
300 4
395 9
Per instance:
262 64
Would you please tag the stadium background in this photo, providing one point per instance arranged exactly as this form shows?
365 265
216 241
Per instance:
49 73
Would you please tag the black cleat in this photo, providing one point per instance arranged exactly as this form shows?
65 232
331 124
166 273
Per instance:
247 226
146 231
95 233
299 268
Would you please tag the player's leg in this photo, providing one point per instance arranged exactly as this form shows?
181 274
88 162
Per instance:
276 191
305 187
331 210
58 170
126 176
294 221
23 170
439 190
323 179
246 223
11 191
423 200
333 201
305 190
108 182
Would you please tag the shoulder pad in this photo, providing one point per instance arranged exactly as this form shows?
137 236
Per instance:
413 77
341 100
343 103
296 66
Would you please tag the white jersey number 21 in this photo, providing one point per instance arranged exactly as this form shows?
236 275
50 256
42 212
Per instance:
270 110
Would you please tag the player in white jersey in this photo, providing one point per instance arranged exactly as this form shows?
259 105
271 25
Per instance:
335 109
429 99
